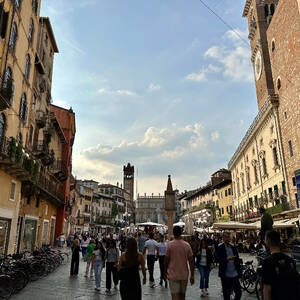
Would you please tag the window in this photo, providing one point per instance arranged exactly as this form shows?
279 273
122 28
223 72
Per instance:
27 66
222 210
8 86
31 31
273 45
13 37
294 181
255 173
253 151
275 156
264 165
12 190
225 193
35 6
276 191
23 108
229 191
37 204
247 159
19 138
238 186
255 200
285 115
291 148
18 3
2 127
278 83
272 129
248 178
46 210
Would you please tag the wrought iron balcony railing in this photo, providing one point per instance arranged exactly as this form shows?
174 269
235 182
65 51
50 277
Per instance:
59 170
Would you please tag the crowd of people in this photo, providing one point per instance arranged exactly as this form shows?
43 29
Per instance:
124 256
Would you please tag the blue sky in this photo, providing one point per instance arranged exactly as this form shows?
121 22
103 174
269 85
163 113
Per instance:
161 84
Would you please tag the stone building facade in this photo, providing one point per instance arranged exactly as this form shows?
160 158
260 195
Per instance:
274 33
151 208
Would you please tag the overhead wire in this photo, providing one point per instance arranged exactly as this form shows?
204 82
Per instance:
237 34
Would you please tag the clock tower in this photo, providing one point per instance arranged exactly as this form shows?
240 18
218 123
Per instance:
128 180
259 14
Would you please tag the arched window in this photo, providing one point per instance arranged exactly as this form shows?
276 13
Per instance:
31 31
35 6
13 37
27 66
8 86
23 108
2 128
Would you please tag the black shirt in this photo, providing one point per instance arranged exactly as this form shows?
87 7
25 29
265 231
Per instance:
279 271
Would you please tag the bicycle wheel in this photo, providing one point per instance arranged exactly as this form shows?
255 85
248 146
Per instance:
18 280
6 287
251 279
259 289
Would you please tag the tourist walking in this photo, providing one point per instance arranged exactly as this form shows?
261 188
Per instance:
279 274
84 245
130 261
141 242
112 260
89 254
204 263
152 246
178 255
162 248
75 258
229 268
98 259
266 223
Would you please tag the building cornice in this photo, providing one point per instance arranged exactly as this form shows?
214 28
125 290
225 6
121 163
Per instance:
271 102
246 8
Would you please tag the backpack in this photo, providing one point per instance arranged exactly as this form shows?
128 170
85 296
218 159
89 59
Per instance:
288 276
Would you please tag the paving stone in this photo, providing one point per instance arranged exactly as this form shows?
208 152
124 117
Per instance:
60 286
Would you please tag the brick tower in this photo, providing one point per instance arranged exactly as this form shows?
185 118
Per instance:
128 179
274 33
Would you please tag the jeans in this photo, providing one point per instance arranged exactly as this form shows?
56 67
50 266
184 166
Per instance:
150 265
83 250
162 267
204 276
89 265
110 268
229 284
98 270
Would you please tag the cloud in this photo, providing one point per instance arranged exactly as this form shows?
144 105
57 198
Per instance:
201 76
235 60
215 136
85 3
153 87
61 103
116 92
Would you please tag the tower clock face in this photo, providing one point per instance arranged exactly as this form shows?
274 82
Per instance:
258 65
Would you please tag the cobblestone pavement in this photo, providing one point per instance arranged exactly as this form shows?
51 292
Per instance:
60 286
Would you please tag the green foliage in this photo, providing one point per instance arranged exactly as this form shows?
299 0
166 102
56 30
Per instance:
223 219
36 169
19 153
200 207
278 208
12 149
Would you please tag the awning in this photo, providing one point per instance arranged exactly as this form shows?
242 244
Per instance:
150 224
234 225
179 224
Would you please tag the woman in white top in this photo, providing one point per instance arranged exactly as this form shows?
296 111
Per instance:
162 248
98 260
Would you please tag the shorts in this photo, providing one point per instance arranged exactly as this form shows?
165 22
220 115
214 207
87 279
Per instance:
178 286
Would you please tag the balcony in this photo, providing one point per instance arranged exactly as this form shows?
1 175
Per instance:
59 170
6 93
15 161
41 151
40 118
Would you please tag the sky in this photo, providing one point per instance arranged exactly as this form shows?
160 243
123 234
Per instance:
164 85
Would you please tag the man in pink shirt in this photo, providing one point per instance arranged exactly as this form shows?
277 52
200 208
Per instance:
179 254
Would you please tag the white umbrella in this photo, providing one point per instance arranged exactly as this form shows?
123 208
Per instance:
180 223
150 224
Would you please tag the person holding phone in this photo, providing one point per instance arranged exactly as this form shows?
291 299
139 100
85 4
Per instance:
229 268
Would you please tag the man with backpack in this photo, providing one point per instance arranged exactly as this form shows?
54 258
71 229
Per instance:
279 274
